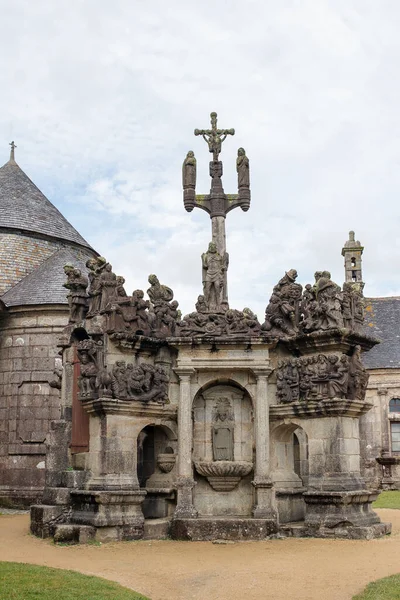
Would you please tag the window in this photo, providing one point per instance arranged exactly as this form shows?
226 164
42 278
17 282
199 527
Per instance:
353 262
395 431
394 405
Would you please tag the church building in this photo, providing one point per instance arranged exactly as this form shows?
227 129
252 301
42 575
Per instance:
36 241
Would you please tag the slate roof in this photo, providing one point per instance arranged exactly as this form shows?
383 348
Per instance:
382 319
24 207
45 284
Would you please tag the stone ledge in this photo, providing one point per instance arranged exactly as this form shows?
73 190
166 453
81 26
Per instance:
223 528
369 532
135 408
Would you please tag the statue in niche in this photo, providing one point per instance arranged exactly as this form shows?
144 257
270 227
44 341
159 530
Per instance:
95 267
214 268
189 171
243 169
77 298
223 423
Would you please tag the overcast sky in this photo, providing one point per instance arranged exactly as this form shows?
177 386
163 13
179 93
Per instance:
102 99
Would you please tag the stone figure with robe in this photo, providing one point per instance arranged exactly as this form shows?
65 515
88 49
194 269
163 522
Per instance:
243 169
214 267
189 171
223 423
77 298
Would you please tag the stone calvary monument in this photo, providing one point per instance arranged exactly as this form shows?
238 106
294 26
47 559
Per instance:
212 425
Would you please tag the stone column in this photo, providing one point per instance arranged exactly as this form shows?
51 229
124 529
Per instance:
265 504
185 482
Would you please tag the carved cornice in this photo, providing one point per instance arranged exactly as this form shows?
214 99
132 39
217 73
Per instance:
102 406
333 339
314 410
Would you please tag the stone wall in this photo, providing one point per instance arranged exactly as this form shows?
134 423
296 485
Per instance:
20 254
384 384
28 357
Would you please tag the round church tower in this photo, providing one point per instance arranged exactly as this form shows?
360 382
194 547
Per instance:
36 241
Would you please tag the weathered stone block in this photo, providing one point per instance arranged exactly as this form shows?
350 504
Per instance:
204 528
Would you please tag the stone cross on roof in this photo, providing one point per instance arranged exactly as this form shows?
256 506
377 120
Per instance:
12 151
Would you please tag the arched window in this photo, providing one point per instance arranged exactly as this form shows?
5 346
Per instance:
353 261
394 405
395 434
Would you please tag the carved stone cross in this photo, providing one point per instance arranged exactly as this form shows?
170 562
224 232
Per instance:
217 204
214 136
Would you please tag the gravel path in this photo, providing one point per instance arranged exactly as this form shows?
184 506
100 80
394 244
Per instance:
301 569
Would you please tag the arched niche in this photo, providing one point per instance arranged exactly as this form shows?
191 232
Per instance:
223 454
289 456
153 441
205 405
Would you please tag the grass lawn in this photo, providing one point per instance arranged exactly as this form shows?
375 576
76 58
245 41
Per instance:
388 500
383 589
19 581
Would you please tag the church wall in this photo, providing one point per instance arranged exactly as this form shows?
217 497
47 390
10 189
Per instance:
28 357
384 384
20 255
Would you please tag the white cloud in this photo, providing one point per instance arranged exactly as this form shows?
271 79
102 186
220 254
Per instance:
102 100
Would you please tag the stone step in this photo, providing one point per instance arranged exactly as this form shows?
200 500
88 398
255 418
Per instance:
75 534
156 529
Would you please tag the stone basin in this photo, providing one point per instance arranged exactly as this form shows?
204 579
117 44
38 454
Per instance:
223 475
166 462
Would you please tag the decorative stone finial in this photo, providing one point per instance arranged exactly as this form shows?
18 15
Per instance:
351 236
12 151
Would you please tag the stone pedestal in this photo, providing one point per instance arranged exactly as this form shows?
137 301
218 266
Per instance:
113 448
343 514
115 515
222 528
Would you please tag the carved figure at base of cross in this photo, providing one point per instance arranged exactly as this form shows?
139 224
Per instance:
214 268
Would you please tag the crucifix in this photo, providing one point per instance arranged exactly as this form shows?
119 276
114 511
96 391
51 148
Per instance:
217 204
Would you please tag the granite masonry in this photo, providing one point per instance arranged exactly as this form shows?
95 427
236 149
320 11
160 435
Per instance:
35 243
214 424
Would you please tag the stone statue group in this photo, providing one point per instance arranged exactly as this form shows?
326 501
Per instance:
143 382
103 293
320 307
291 310
321 377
